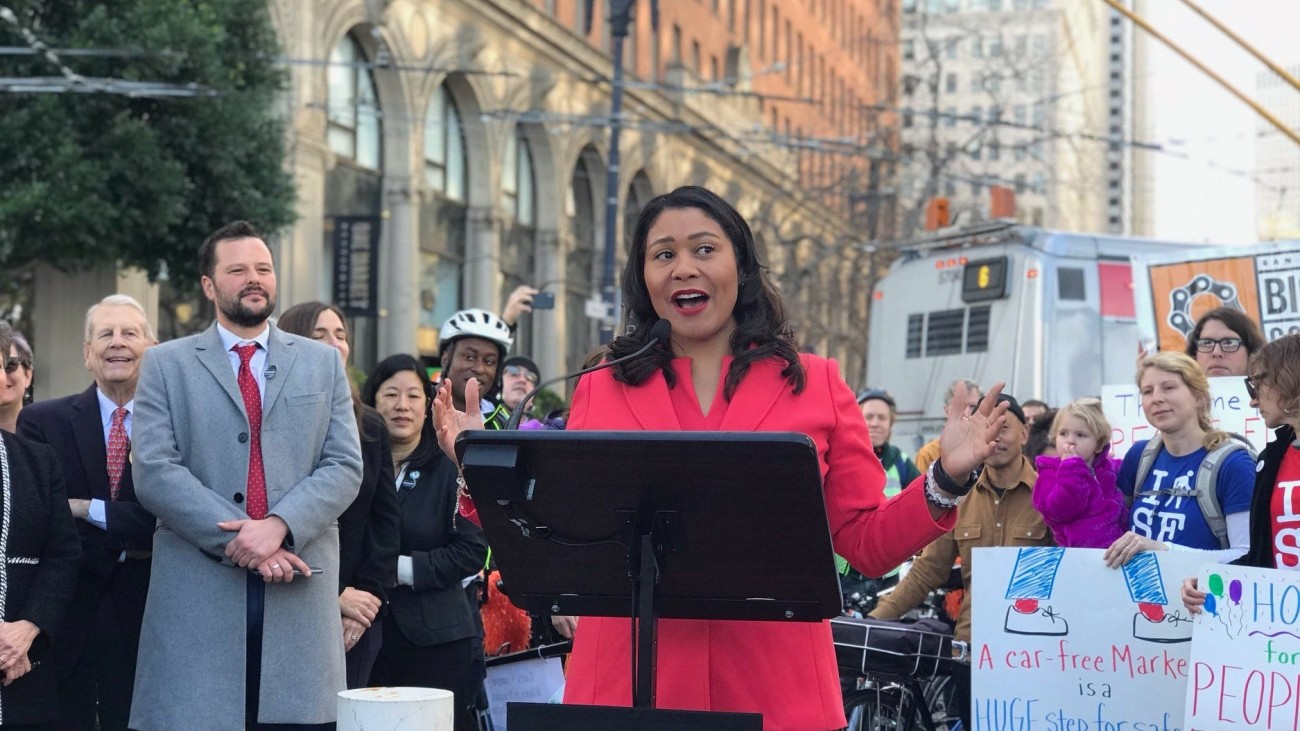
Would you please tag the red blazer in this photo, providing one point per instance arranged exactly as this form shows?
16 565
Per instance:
787 672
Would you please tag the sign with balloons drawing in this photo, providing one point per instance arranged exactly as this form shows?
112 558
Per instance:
1245 661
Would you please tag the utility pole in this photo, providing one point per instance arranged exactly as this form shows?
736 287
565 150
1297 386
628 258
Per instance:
620 18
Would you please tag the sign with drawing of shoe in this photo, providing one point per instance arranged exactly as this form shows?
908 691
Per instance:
1060 642
1245 662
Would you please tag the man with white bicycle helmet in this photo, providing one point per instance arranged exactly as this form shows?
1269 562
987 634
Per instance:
472 344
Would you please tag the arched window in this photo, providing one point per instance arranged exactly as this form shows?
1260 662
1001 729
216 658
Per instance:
444 146
517 191
354 131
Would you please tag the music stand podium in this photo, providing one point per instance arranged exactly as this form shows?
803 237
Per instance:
653 525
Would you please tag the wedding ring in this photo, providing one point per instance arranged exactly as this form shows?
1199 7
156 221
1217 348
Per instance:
275 567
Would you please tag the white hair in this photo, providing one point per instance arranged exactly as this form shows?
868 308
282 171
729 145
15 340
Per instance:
118 300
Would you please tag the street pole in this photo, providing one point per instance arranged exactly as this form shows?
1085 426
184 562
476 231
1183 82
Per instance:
620 16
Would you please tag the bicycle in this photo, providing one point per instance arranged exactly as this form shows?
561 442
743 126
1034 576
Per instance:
897 675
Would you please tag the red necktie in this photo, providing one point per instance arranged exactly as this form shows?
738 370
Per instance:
118 447
256 491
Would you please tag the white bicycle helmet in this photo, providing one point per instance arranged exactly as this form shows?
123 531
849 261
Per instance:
475 323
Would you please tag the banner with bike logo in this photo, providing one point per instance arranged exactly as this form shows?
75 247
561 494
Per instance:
1060 642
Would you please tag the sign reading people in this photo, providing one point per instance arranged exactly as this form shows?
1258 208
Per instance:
1063 643
1229 407
1245 662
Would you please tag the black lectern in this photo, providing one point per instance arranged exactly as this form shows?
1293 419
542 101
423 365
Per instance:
649 525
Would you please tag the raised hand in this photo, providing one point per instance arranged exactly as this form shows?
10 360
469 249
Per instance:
967 439
449 421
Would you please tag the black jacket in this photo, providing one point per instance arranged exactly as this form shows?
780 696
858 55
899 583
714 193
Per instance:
73 428
369 530
1261 520
43 555
444 548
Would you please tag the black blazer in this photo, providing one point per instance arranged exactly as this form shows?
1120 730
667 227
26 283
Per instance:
1261 519
444 548
370 529
72 427
43 554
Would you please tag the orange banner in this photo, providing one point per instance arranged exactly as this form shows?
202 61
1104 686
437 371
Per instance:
1182 292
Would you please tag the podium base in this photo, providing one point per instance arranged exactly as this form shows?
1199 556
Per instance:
554 717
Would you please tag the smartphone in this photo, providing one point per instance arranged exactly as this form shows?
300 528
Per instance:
296 572
544 301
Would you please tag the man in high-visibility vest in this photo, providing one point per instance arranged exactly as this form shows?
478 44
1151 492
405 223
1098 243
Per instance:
880 412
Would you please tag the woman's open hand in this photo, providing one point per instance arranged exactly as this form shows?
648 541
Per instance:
967 438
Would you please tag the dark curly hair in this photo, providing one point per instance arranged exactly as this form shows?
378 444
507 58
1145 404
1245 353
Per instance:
761 330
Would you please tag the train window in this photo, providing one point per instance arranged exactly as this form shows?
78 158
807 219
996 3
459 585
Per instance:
984 280
1069 284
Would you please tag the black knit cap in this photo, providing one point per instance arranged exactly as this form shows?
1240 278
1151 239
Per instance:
1013 407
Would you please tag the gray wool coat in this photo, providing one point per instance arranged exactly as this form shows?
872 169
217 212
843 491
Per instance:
190 461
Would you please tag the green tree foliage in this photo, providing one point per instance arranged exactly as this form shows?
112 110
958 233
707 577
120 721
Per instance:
89 179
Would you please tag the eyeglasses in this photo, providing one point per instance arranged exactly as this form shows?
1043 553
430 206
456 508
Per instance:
518 370
1253 383
11 364
1229 345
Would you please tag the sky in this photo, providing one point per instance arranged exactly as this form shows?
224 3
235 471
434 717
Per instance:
1196 198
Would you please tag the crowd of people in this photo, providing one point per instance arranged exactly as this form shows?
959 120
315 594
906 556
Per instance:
223 531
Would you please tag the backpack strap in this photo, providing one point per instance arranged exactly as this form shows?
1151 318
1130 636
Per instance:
1145 463
1207 497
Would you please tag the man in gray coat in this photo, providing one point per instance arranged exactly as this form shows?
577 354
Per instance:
246 449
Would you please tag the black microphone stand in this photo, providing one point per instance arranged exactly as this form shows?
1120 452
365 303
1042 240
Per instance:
659 333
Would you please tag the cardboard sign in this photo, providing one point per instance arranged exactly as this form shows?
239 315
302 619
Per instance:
1263 281
1245 662
1063 643
539 680
1229 407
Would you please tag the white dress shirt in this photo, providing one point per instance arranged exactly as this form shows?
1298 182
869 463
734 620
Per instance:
258 363
97 515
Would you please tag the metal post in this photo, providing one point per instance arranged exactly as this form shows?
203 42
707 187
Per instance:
620 15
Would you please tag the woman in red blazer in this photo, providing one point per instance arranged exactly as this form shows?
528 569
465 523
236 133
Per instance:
733 366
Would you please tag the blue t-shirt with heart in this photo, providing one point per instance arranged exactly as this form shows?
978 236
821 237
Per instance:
1172 515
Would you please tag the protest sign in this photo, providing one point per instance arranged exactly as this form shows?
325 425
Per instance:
1229 408
1063 643
1245 662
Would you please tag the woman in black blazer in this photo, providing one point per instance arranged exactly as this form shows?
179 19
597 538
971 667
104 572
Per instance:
40 555
368 529
430 626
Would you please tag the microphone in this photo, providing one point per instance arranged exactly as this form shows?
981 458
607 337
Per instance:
659 333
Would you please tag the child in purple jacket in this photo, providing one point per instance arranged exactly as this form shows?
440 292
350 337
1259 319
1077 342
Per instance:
1076 491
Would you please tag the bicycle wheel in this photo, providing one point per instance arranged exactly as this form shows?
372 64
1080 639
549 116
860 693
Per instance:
940 693
881 709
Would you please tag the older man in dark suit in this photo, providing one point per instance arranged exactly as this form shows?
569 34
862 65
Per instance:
247 453
90 433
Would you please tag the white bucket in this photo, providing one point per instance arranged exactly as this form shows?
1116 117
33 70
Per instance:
396 709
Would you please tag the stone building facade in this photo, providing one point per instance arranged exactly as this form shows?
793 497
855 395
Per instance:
475 133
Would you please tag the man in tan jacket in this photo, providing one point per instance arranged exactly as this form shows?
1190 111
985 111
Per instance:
999 511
